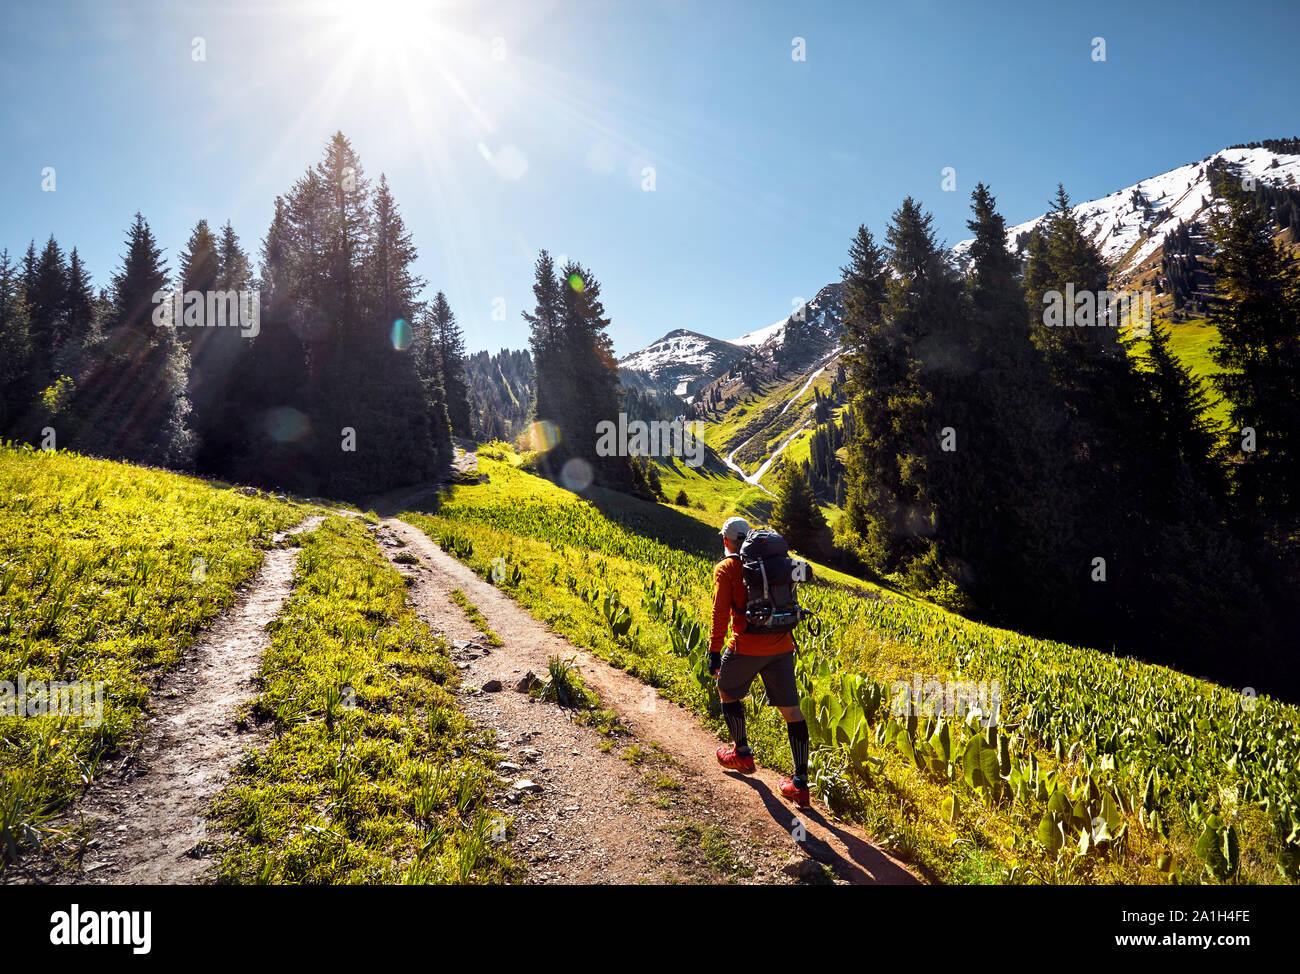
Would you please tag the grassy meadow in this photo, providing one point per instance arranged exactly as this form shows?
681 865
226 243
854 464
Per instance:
1094 769
107 574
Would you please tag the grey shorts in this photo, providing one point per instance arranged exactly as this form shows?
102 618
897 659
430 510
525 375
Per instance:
777 671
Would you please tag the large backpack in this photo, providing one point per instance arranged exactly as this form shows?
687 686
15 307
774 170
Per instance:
772 580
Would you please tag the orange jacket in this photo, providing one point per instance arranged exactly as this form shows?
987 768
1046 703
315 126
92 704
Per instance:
729 605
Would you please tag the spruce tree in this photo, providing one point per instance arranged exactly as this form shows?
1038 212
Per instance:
131 403
234 273
577 384
47 299
1256 308
451 356
391 254
81 304
915 337
346 224
217 390
795 514
272 371
28 274
1010 437
1187 432
15 350
370 383
544 340
876 363
199 266
588 371
1105 432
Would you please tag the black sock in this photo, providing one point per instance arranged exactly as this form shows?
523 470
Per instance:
798 731
734 714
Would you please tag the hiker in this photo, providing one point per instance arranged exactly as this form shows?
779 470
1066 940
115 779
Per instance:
748 654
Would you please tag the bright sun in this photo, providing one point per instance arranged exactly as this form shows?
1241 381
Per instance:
389 27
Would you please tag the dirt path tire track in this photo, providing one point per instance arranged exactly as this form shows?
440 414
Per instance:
750 804
148 814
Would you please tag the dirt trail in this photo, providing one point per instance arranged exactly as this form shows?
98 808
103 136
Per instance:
597 817
464 465
147 814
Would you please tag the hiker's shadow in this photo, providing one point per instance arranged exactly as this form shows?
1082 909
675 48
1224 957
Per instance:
863 864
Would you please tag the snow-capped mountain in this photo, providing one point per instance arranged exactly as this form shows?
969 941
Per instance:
683 361
755 338
807 334
679 363
1129 225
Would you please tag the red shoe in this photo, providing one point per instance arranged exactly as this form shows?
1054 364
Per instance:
797 795
729 759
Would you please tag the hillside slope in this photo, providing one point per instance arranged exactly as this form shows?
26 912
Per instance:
1087 768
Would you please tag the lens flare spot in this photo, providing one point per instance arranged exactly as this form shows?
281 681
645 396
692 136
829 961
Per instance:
285 424
542 435
576 282
576 475
401 335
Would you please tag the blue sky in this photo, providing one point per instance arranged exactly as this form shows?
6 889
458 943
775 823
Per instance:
505 127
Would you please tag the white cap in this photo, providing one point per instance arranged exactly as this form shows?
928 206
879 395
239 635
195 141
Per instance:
734 528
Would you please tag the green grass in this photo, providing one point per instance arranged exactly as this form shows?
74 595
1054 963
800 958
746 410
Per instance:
373 775
107 574
717 488
712 844
564 685
727 427
1085 717
1192 341
475 616
724 431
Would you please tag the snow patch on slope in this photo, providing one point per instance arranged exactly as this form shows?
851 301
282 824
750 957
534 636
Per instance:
755 338
676 349
1119 224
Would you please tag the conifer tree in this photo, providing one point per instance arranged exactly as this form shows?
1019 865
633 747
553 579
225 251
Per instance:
81 304
795 514
576 373
28 274
345 222
1187 433
876 363
913 337
451 358
1013 417
47 298
218 266
391 254
272 370
589 369
15 349
131 403
544 340
1256 308
199 266
235 273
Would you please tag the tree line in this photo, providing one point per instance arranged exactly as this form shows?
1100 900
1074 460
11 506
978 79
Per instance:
1070 480
334 377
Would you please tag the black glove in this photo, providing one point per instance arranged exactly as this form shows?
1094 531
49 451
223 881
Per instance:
715 663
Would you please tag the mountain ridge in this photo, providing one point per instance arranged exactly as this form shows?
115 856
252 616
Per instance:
1129 225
